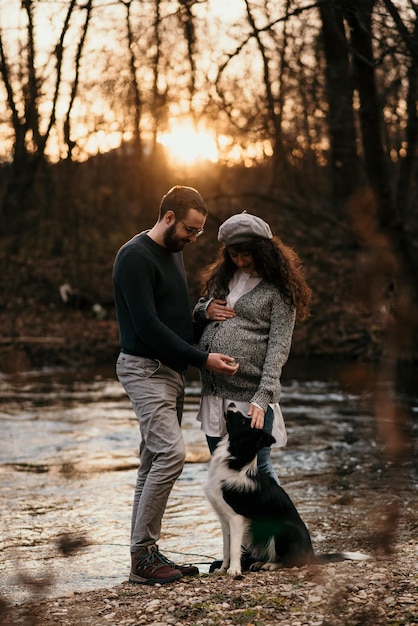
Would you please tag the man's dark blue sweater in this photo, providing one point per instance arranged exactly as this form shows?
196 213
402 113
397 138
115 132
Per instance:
152 304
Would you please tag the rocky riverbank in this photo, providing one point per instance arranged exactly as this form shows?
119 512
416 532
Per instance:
380 592
374 511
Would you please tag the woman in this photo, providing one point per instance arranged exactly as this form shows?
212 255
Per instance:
253 293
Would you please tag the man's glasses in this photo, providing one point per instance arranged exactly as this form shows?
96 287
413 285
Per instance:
192 231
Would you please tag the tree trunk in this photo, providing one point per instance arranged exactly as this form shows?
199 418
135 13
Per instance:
358 15
344 158
408 162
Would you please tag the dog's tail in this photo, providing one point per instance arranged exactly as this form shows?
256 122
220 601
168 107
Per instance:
337 557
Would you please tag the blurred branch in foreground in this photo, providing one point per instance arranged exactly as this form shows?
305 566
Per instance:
388 289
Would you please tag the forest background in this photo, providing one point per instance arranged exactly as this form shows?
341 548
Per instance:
310 109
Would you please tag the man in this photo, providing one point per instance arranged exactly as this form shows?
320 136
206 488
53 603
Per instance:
156 337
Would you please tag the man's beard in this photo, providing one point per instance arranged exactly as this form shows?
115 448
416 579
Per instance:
172 242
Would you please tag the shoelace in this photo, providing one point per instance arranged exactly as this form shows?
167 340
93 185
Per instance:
170 563
155 555
165 560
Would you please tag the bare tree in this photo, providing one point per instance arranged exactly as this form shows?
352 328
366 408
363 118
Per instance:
408 164
186 19
274 85
339 88
25 87
279 101
274 102
134 85
74 89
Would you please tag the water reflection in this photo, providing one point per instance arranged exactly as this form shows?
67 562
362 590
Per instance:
67 468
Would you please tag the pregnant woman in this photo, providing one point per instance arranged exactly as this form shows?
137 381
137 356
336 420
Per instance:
252 294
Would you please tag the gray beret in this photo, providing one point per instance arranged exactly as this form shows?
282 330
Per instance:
243 227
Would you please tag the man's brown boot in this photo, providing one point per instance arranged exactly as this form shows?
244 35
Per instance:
186 570
149 567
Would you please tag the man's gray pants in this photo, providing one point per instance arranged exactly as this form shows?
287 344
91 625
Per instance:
156 393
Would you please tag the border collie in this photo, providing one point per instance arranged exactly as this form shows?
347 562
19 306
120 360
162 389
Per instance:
253 509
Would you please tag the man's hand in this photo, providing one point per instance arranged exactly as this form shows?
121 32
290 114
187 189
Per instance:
221 364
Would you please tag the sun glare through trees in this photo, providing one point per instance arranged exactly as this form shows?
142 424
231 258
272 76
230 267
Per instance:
186 144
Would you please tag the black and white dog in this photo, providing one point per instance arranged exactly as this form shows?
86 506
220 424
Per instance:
253 509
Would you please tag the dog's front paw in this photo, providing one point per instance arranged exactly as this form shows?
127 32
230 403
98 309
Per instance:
234 571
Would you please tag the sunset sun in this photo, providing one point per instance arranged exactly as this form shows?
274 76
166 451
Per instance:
186 144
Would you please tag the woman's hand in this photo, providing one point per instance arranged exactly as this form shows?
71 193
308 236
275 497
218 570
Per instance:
218 311
257 416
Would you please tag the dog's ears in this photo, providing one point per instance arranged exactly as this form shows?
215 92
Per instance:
234 420
231 408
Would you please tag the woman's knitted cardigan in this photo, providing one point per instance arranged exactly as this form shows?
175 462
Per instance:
258 337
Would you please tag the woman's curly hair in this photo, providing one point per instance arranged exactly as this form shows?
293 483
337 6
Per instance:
275 262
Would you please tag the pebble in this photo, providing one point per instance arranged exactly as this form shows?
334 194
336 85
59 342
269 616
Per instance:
315 599
151 606
109 616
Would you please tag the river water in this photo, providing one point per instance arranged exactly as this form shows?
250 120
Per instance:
68 453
